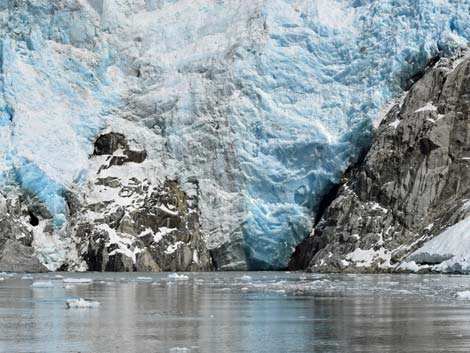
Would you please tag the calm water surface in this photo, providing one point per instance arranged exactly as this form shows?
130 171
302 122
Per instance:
237 312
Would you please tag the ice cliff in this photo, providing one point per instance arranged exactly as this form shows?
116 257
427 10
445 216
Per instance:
248 110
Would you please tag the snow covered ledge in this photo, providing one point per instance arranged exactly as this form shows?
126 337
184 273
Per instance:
449 252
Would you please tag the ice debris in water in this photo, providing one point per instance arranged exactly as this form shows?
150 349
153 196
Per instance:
464 294
78 280
144 279
178 277
180 350
81 303
42 284
246 278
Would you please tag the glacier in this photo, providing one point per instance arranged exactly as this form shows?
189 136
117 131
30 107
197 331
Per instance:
264 103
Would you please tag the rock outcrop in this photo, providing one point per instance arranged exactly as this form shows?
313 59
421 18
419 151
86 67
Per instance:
16 251
413 183
129 223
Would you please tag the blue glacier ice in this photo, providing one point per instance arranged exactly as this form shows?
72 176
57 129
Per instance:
266 103
317 83
52 106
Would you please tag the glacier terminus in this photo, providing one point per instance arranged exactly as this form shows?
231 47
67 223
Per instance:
230 120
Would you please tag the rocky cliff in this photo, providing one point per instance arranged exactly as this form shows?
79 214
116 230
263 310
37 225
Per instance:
405 205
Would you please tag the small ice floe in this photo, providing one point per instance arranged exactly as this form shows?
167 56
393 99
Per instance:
42 284
144 279
69 286
81 303
246 278
244 289
59 276
2 279
464 295
78 280
27 277
180 350
178 277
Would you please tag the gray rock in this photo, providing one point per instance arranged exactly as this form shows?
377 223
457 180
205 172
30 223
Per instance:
16 257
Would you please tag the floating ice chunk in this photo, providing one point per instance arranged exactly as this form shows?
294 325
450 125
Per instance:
2 279
464 294
78 280
180 350
178 277
27 278
246 278
42 284
81 303
69 286
144 279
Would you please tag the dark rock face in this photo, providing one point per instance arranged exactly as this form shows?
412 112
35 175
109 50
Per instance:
110 143
16 257
16 252
411 185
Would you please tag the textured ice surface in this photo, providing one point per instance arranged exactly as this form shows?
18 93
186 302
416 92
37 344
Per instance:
447 252
265 103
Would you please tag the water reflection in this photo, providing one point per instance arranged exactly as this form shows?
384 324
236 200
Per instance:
327 314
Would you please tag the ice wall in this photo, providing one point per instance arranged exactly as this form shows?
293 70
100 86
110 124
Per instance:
264 103
53 100
311 91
